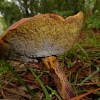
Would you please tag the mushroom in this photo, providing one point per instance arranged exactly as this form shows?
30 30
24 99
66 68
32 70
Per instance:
45 35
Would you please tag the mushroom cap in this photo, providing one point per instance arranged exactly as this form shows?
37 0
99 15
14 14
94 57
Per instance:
40 36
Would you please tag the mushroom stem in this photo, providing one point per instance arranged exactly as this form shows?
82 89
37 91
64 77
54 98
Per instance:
64 88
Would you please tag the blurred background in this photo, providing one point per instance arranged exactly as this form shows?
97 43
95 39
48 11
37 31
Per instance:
14 10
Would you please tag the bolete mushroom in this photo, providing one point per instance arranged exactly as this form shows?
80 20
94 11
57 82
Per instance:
44 35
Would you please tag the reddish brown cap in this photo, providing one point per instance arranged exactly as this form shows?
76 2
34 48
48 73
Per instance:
40 36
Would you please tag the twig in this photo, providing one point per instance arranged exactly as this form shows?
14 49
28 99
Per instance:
85 94
93 49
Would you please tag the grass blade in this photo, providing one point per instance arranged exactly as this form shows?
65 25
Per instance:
22 82
83 51
42 85
87 78
53 92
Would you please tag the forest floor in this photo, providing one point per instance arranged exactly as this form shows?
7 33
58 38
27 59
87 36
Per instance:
81 65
